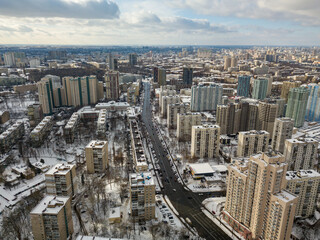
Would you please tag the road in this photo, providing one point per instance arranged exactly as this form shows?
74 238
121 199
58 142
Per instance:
187 203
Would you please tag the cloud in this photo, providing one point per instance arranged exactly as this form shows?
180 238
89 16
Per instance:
90 9
299 11
21 29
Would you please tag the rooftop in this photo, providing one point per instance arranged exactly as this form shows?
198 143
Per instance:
201 168
141 179
60 168
50 205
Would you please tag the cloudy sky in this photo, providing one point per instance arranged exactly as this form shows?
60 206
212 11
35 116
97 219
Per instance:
160 22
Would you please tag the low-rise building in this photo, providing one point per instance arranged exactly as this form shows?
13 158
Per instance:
4 117
9 137
69 129
102 124
35 114
41 131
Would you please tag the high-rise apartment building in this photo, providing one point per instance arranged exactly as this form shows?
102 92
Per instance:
9 59
162 77
112 85
111 61
267 114
155 74
228 118
205 141
206 97
142 196
52 218
97 156
282 130
297 105
133 59
165 101
165 92
252 142
257 206
301 153
185 121
286 86
260 88
61 180
305 185
243 88
227 62
173 110
313 105
187 75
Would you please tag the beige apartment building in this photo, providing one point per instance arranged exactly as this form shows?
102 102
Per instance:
166 92
61 180
257 206
10 137
41 131
282 130
166 100
112 85
142 196
305 185
185 121
173 110
252 142
52 219
229 118
267 114
97 156
70 127
301 153
205 141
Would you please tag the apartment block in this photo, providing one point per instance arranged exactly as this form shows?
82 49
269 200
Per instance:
257 206
61 180
205 141
35 114
206 97
97 156
4 117
139 158
267 114
41 131
229 118
142 196
301 153
286 86
70 127
282 130
162 77
243 88
52 219
112 85
102 124
165 92
173 110
10 137
185 121
252 142
260 88
165 101
305 185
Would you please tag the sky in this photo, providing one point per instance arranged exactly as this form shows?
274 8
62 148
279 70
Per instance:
160 22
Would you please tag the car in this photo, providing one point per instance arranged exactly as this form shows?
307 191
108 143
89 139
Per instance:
170 217
174 190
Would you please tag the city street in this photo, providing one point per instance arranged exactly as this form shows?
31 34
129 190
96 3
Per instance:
187 203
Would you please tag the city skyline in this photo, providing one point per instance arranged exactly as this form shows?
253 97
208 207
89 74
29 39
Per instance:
183 22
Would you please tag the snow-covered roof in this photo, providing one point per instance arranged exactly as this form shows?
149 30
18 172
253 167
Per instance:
301 174
60 169
201 168
50 205
80 237
285 196
141 179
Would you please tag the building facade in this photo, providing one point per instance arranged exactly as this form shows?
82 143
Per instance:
260 88
97 156
173 110
112 85
205 141
282 130
252 142
206 97
185 121
243 88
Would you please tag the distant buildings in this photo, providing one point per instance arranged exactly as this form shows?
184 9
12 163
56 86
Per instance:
257 206
283 128
297 105
252 142
133 59
162 77
185 121
112 85
97 156
61 180
260 88
243 88
205 141
301 153
165 101
155 74
205 97
52 218
142 196
187 75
